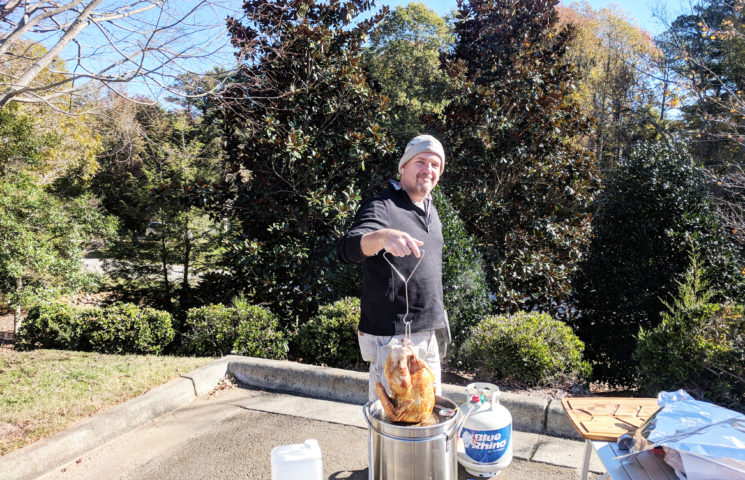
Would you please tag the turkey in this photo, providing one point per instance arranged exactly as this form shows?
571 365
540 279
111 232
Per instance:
411 383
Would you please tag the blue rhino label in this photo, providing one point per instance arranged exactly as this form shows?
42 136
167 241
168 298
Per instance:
486 446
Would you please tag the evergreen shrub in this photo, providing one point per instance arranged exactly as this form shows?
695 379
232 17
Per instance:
330 337
700 349
258 333
210 330
530 348
116 328
127 328
656 206
49 325
218 329
464 289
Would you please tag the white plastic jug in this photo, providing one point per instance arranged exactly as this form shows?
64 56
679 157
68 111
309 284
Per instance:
485 446
297 462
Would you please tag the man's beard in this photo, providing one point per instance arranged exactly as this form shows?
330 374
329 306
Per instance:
422 186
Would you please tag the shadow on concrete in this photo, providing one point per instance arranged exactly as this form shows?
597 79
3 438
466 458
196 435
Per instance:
349 475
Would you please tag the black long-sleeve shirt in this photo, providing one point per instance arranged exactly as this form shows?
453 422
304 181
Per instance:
383 302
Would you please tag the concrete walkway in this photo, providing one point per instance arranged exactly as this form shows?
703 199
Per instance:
180 417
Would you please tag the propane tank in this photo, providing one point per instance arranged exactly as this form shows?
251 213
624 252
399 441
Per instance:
485 440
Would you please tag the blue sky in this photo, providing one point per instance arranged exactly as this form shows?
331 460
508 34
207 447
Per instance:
639 11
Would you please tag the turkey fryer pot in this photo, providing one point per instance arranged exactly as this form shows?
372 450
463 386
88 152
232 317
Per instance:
400 452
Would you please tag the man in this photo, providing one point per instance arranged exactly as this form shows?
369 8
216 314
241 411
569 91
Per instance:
401 223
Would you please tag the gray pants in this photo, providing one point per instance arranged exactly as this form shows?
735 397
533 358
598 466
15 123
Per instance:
371 347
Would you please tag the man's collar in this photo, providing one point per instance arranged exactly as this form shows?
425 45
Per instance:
397 186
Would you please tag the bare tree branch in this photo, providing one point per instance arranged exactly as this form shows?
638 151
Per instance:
52 49
729 201
26 25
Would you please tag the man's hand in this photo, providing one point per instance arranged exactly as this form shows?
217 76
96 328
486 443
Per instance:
396 242
400 244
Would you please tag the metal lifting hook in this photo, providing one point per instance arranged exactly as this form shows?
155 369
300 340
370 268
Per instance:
407 325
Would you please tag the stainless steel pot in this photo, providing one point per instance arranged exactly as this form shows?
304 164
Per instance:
400 452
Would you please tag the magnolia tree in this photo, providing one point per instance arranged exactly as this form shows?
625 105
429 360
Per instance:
305 142
519 178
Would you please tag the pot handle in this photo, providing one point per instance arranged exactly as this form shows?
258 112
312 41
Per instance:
459 424
364 413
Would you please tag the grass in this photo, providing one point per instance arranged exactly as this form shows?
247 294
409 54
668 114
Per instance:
46 391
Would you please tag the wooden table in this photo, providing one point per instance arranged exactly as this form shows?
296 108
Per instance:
601 420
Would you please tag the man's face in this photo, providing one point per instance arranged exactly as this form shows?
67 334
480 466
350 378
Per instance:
420 174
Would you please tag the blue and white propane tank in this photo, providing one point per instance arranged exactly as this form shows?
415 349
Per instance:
485 440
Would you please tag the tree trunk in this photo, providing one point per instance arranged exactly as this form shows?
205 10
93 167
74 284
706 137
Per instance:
164 260
665 92
17 318
187 254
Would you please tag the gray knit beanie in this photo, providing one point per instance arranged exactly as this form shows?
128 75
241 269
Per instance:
423 143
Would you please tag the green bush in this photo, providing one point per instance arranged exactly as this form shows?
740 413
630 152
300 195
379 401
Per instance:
117 328
700 349
464 288
49 325
127 328
258 333
246 329
211 330
330 337
530 348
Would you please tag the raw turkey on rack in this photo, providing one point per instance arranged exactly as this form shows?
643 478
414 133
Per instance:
411 383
